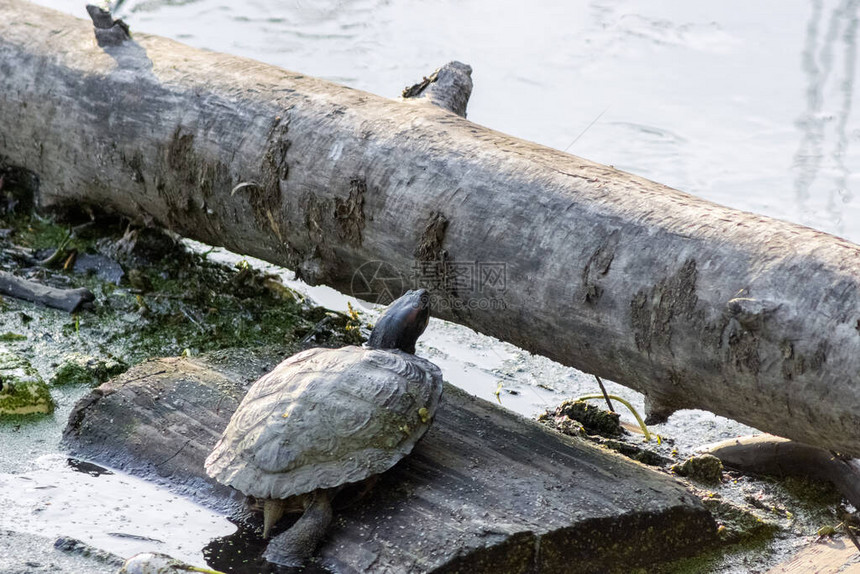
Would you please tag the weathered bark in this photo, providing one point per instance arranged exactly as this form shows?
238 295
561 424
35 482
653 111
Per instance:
694 304
483 491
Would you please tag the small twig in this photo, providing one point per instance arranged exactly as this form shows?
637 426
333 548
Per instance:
588 127
847 529
70 260
77 229
217 408
415 90
58 254
134 537
175 454
315 330
605 394
166 296
200 327
498 392
40 219
147 375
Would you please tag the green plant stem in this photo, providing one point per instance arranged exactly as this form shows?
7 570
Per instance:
58 254
626 404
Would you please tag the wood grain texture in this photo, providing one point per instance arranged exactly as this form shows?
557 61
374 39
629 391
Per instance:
824 557
484 491
694 304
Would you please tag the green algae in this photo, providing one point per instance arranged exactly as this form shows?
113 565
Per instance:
811 493
168 301
704 468
737 524
7 337
22 390
78 369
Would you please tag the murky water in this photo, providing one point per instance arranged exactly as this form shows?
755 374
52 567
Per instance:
136 515
747 104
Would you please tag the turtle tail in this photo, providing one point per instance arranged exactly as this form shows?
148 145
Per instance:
294 546
273 510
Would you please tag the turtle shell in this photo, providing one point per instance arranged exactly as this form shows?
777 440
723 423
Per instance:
326 417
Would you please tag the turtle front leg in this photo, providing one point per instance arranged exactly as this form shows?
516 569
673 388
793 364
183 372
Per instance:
294 546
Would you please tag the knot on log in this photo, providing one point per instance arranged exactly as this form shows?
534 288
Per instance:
449 87
109 32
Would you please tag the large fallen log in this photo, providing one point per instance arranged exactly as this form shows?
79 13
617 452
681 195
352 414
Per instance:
484 491
694 304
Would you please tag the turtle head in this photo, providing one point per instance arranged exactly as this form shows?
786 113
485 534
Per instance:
402 323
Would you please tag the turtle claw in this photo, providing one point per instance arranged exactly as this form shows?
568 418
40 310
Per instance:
274 553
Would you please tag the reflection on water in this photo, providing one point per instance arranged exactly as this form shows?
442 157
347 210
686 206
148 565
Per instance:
820 64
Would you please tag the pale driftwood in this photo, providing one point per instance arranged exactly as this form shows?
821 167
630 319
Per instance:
779 457
69 300
825 555
484 491
694 304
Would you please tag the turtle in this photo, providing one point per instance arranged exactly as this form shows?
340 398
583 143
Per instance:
325 418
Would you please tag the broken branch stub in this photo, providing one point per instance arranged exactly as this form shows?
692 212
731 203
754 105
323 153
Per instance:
449 87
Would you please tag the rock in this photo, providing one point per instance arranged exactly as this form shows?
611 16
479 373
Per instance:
155 563
484 491
75 546
32 553
705 468
102 267
22 390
